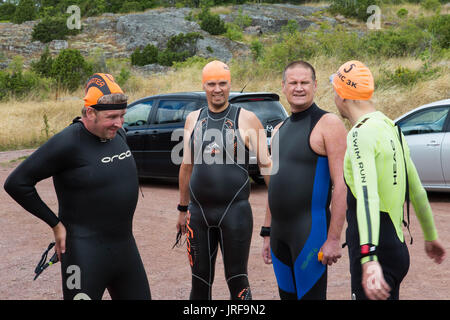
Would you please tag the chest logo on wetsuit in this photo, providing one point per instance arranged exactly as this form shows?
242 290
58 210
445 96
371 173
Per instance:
121 156
212 148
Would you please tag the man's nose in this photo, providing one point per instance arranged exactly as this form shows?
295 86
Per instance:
118 122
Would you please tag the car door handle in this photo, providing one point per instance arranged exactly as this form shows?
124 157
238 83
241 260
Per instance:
433 143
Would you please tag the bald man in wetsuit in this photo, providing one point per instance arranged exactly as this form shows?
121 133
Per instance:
215 186
299 225
96 183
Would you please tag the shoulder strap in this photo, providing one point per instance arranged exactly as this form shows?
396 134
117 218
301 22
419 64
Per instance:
406 224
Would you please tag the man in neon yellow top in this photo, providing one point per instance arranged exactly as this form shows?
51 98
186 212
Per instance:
374 170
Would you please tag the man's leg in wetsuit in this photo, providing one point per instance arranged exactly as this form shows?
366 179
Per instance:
83 270
236 233
392 254
89 266
130 280
202 246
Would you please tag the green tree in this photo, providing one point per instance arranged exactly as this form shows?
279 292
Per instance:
52 28
70 69
43 67
25 11
7 11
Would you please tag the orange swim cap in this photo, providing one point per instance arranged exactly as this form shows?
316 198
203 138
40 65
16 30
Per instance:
353 81
99 85
216 70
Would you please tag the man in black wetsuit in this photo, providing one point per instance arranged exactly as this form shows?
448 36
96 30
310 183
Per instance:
214 182
311 148
96 184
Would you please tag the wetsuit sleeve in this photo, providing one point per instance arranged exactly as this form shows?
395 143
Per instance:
362 152
419 200
45 162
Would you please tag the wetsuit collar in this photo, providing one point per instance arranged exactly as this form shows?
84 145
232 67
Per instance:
219 115
296 116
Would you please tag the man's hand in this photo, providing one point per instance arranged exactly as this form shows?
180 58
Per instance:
59 232
375 287
266 251
435 251
181 223
332 251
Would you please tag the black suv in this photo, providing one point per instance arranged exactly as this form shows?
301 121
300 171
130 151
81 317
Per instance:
150 122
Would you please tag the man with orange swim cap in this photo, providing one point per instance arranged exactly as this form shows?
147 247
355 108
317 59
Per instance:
379 175
96 182
215 186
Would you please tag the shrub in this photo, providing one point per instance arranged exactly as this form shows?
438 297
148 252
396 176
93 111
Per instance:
234 32
212 23
351 8
431 5
148 55
179 48
7 11
130 6
25 11
43 67
402 13
257 49
52 28
70 69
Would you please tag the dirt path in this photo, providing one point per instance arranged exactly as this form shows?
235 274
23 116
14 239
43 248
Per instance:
23 239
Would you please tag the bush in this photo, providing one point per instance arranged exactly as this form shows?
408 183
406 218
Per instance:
25 11
353 9
43 67
52 28
130 6
431 5
402 13
7 11
148 55
406 77
234 32
212 23
70 69
179 48
257 49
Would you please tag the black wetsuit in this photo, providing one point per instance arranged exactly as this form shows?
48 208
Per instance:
220 212
97 188
299 199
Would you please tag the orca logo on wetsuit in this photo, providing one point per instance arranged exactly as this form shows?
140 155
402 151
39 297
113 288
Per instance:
121 156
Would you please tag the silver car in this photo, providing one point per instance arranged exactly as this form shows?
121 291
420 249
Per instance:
427 131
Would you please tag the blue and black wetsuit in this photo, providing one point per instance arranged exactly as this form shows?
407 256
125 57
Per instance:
299 200
97 188
220 213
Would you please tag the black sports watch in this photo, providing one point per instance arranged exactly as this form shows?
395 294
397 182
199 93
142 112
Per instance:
265 232
182 208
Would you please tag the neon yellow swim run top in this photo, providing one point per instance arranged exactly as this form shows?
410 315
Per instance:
374 170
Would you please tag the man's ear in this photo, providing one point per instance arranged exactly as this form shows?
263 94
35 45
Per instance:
91 113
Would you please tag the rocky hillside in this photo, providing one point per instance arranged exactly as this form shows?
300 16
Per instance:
117 35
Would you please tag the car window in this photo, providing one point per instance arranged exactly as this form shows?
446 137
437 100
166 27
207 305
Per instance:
137 115
267 111
170 111
425 121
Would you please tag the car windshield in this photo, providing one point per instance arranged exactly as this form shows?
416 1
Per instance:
266 111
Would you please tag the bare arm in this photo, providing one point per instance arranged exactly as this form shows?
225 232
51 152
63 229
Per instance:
256 140
185 169
268 218
334 141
